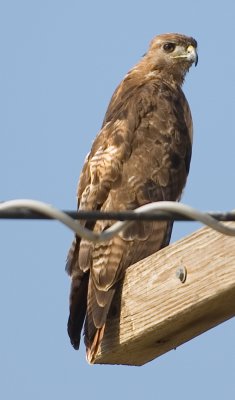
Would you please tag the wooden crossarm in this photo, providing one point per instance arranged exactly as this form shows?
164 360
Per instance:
159 311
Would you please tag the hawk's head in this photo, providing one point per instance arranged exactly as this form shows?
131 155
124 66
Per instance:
172 54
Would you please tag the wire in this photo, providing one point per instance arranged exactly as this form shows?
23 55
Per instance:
170 207
94 215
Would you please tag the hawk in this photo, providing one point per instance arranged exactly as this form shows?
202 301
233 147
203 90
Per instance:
141 155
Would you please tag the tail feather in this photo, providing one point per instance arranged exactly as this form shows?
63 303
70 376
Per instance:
92 349
95 319
78 306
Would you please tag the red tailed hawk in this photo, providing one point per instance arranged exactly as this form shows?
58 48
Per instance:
141 155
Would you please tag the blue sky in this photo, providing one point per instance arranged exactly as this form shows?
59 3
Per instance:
60 63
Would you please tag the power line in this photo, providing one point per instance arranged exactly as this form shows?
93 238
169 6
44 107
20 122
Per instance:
130 215
27 209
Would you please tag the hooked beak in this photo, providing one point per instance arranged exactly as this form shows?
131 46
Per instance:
192 54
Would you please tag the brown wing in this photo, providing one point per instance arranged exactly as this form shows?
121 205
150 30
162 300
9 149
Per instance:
142 154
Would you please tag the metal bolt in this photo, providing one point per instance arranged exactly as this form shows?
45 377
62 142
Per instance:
181 274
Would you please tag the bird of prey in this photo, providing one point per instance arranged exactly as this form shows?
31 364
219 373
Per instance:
141 155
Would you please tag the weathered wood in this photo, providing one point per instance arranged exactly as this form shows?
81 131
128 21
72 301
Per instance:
158 311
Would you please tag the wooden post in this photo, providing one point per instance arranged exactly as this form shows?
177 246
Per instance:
171 297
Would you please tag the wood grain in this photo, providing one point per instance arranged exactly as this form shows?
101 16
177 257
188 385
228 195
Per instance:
158 311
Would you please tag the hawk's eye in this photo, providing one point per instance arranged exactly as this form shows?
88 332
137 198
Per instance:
169 47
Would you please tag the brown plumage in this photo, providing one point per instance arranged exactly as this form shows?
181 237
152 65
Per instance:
141 154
